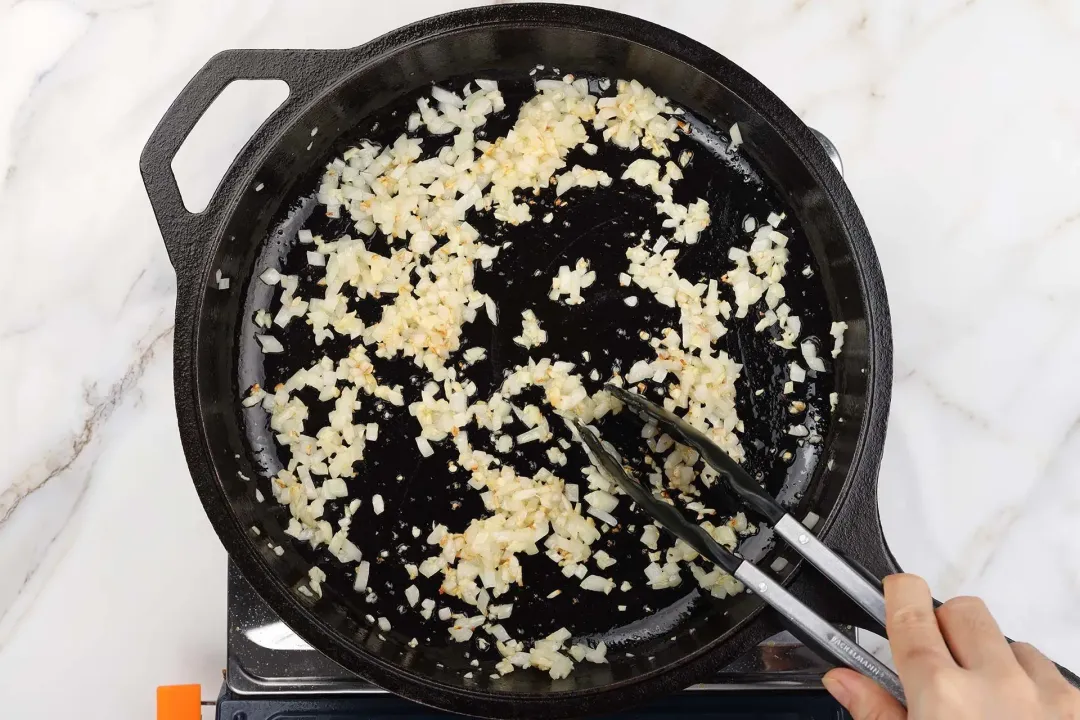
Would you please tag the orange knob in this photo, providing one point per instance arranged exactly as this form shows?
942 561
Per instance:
179 702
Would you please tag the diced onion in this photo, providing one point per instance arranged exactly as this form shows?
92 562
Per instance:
736 137
837 331
362 572
425 447
596 583
809 353
603 516
422 277
270 344
796 373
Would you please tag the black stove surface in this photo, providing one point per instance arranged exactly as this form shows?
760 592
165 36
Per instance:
273 674
803 705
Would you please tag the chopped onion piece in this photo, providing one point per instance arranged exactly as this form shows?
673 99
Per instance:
270 344
425 447
837 331
603 516
809 353
736 137
596 583
602 500
650 536
362 572
797 373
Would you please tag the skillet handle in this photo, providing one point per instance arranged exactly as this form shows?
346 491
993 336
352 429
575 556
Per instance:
306 72
1069 676
864 589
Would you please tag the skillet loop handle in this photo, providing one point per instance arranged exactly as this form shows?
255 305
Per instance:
306 72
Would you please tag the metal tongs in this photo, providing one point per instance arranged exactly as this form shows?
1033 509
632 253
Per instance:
813 630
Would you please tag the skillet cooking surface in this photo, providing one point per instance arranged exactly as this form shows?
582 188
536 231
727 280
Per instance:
598 224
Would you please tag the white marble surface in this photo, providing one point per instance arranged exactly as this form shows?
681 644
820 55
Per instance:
960 132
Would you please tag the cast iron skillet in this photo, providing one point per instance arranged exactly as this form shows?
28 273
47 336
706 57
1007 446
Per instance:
337 97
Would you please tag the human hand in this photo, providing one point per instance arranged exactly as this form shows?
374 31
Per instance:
955 664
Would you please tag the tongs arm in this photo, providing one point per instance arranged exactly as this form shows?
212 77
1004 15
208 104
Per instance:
814 631
850 580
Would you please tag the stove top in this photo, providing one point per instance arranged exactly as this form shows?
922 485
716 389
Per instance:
272 673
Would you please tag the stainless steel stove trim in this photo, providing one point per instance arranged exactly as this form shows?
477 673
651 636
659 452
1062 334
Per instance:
830 149
279 665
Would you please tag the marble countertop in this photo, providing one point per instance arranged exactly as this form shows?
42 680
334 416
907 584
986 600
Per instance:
961 141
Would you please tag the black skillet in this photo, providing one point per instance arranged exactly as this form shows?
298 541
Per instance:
664 641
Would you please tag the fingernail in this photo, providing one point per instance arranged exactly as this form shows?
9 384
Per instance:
837 689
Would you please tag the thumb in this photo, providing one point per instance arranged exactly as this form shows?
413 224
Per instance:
861 696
